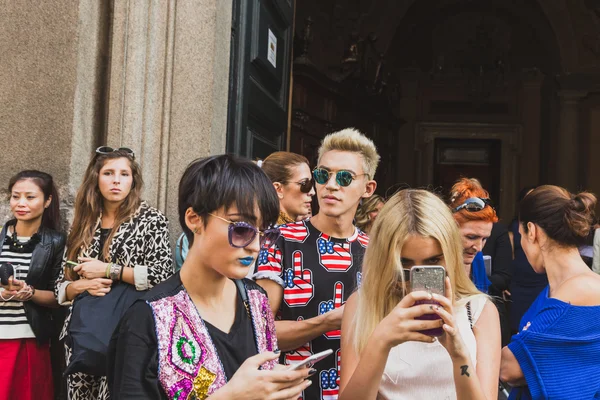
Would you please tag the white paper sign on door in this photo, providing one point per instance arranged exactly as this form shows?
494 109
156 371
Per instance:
272 51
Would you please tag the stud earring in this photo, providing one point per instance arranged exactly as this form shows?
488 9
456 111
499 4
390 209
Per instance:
196 230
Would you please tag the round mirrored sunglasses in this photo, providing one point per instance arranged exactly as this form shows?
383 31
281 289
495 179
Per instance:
342 177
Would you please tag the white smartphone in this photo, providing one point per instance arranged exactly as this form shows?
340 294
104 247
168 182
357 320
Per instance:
315 358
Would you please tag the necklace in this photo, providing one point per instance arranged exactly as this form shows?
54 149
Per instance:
22 247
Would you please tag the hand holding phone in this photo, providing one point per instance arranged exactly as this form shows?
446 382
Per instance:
315 358
429 278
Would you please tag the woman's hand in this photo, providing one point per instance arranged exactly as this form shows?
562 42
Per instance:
98 286
250 383
17 290
400 325
451 339
91 268
95 287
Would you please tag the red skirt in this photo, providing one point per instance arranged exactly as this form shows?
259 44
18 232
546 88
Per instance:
25 371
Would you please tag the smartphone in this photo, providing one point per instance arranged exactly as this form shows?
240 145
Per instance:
487 261
429 278
71 264
315 358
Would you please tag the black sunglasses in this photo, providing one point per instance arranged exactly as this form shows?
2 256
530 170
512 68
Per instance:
473 204
342 177
241 234
108 150
305 185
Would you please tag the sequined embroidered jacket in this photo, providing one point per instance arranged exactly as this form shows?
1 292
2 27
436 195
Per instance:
188 364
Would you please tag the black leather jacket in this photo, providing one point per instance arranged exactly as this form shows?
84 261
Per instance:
46 263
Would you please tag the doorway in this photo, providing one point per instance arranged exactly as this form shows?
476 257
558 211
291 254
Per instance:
457 158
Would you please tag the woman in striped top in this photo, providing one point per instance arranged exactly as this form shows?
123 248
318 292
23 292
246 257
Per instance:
33 246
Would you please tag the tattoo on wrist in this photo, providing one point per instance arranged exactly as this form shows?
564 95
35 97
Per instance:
464 370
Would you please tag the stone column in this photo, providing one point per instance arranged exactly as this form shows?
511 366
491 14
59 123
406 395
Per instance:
531 116
568 139
168 88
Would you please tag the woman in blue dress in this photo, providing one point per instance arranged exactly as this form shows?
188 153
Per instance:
555 354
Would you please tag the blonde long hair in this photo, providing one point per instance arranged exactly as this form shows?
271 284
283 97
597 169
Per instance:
408 212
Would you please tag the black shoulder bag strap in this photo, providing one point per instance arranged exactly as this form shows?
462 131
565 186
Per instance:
242 289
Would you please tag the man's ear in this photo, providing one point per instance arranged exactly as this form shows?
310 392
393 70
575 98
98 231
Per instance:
369 189
279 189
193 221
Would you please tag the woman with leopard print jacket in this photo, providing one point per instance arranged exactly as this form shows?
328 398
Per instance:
115 236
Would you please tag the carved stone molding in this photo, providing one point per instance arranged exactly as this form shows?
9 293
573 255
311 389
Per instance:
508 134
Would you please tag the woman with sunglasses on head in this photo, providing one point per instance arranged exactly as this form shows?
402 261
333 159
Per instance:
472 209
115 237
390 347
556 352
31 249
292 179
207 331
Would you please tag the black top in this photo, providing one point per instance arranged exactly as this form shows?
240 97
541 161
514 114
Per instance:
44 269
104 232
499 248
236 346
133 350
318 274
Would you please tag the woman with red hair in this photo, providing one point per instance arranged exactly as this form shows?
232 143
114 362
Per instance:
472 210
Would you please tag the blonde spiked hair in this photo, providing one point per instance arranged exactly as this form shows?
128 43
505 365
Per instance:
354 141
408 212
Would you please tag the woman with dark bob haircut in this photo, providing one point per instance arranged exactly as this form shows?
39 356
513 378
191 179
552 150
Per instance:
207 331
555 354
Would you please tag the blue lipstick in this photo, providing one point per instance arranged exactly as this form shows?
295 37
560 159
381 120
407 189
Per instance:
247 261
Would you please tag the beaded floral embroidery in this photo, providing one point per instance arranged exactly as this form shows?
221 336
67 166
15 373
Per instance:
189 366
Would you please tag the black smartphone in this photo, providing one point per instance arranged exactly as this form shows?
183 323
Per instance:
432 279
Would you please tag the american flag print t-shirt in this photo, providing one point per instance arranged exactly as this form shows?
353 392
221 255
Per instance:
318 273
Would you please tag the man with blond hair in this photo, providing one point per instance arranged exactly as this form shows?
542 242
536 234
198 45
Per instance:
316 264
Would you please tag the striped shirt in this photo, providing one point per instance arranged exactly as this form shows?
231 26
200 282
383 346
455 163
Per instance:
13 322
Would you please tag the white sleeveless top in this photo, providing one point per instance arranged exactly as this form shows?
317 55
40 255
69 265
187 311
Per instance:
423 371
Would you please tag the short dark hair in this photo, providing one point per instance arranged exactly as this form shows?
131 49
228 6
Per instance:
222 181
566 218
51 215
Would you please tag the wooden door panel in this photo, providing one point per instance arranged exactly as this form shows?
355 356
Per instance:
260 75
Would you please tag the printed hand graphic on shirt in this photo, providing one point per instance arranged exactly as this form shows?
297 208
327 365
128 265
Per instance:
300 354
298 289
330 380
297 232
334 256
330 305
269 259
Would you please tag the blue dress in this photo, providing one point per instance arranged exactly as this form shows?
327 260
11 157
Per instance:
558 349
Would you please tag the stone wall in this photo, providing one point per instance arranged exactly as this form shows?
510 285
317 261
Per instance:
149 74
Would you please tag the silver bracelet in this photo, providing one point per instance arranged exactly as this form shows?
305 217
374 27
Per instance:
115 271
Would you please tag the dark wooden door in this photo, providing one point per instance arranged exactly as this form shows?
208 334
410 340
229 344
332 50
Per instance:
261 50
479 159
